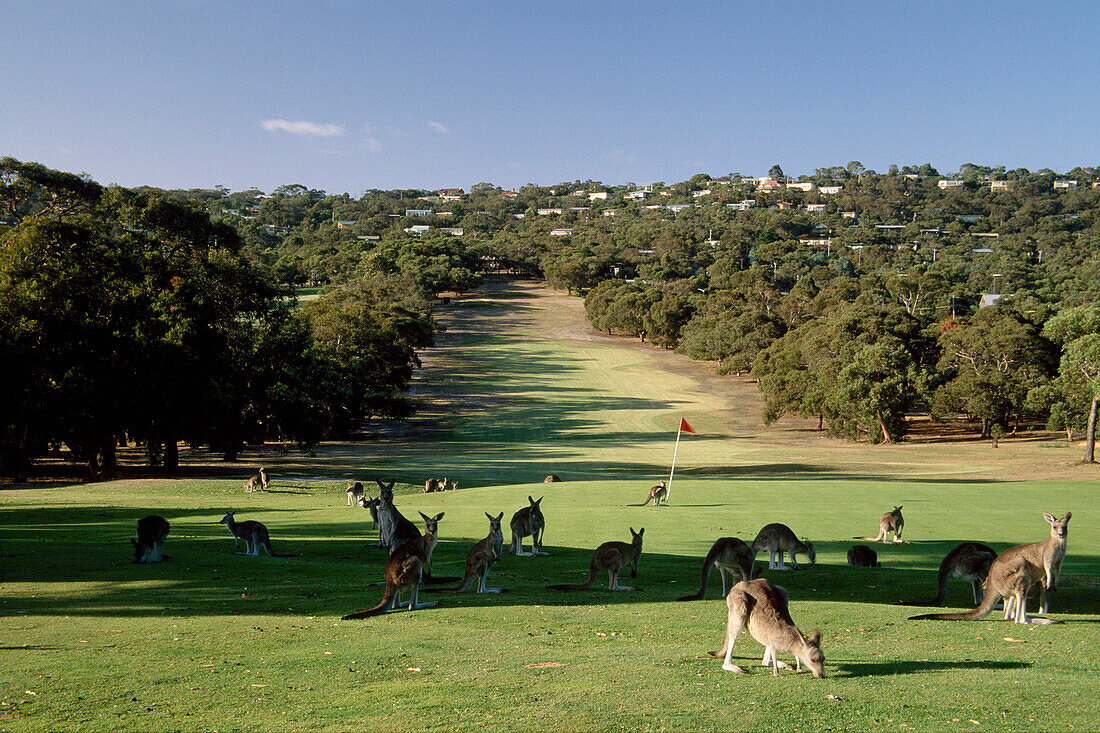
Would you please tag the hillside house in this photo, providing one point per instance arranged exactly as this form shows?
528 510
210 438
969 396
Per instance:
802 186
417 229
743 205
989 299
784 205
703 192
998 186
597 196
830 190
637 195
1065 184
847 215
561 232
452 231
509 194
677 208
945 183
449 194
548 212
346 224
815 208
418 212
609 212
768 185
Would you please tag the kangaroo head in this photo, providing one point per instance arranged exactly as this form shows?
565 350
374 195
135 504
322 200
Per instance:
386 489
431 524
494 522
810 551
637 536
1058 527
535 504
815 658
227 518
897 510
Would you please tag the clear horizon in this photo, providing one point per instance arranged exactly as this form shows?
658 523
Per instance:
344 97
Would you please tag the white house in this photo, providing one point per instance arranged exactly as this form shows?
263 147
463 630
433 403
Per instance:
637 195
609 212
830 190
561 232
815 208
548 212
703 192
998 185
418 212
417 229
802 186
449 194
453 231
945 183
1065 184
597 196
677 208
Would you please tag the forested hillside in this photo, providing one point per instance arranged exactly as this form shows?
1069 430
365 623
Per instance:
852 296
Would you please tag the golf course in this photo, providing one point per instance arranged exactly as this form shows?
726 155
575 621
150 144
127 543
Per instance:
517 387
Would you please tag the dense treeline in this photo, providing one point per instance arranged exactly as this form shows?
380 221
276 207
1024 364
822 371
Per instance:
851 296
133 316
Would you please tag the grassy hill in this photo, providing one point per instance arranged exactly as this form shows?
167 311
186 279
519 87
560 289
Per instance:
519 388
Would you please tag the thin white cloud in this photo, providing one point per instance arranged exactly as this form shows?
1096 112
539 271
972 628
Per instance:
620 156
438 127
370 142
303 127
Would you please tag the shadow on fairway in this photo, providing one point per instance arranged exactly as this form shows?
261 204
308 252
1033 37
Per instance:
875 669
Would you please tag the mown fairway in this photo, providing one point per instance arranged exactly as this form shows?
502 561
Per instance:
518 389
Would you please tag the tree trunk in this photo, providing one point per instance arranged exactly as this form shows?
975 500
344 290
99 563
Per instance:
1090 432
820 422
110 457
885 432
985 428
1069 435
171 455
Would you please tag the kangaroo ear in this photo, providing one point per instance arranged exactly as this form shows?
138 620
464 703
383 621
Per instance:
531 499
426 517
1068 515
490 516
438 516
1049 517
814 637
499 516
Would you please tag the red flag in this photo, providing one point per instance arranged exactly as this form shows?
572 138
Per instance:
685 427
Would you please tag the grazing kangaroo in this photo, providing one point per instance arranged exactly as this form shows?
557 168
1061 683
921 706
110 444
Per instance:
1014 572
371 505
763 608
528 521
481 558
612 557
254 535
394 529
862 556
729 555
405 569
254 483
151 531
264 482
777 539
969 561
355 493
891 521
656 495
551 479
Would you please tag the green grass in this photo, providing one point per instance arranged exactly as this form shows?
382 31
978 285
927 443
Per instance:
215 641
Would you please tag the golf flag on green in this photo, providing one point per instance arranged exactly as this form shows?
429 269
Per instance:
684 428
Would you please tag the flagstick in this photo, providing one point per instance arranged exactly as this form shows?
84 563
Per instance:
668 489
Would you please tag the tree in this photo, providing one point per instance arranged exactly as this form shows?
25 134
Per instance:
1078 380
776 172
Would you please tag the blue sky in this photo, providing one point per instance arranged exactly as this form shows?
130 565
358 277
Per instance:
345 96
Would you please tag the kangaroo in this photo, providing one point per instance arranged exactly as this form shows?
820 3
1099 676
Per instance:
729 555
404 570
656 494
612 557
528 521
264 482
355 493
371 505
862 556
969 561
254 483
1014 572
551 479
762 607
151 531
891 521
431 485
394 529
254 535
481 558
454 486
777 539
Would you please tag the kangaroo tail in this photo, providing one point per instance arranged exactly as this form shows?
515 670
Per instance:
984 609
592 570
704 575
382 607
466 583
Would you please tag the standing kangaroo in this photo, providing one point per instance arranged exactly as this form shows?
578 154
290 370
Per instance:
264 482
254 483
657 494
404 570
371 505
777 539
891 521
762 607
528 521
481 558
254 535
969 561
355 493
729 555
862 556
394 529
151 531
612 557
1015 571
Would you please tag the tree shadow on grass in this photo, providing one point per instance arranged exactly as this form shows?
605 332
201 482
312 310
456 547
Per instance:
913 666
